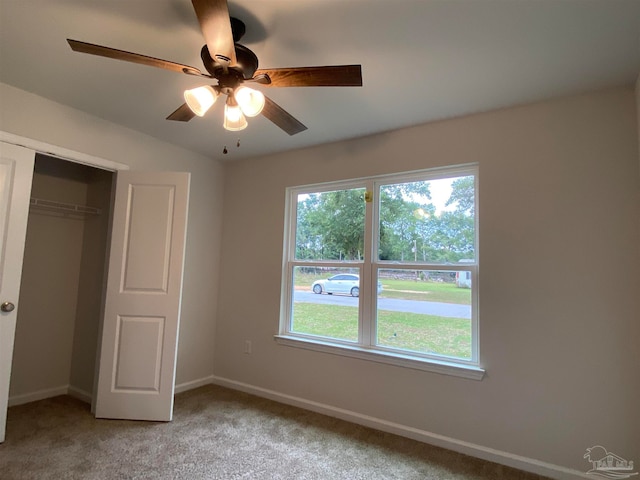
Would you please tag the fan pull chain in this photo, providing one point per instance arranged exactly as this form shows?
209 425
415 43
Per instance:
225 151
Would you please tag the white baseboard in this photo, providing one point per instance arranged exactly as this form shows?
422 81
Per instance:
497 456
81 395
183 387
39 395
86 396
467 448
49 393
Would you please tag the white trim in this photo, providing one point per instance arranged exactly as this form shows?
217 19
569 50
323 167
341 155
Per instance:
429 174
485 453
370 266
39 395
86 396
61 152
79 394
183 387
443 367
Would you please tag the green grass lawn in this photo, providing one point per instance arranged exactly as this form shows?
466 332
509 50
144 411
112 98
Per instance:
409 331
428 291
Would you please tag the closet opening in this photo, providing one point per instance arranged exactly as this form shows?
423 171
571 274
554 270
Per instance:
63 277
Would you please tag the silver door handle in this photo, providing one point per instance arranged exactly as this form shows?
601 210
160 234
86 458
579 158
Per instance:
7 307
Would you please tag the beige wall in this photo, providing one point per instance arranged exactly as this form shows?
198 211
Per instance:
559 250
31 116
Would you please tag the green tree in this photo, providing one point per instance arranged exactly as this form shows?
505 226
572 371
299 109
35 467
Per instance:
399 220
450 235
456 231
453 236
462 195
330 225
308 240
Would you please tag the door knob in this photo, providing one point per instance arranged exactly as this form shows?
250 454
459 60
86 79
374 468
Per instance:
7 307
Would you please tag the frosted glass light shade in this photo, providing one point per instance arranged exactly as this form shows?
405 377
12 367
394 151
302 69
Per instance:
233 118
251 101
200 99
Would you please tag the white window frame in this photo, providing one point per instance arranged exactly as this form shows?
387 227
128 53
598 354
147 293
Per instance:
366 348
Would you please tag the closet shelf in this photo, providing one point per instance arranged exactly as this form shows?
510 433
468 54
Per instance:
62 208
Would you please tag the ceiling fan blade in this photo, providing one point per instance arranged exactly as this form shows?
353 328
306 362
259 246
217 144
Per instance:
328 76
281 117
215 24
116 54
182 114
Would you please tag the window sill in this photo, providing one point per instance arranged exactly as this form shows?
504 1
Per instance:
429 365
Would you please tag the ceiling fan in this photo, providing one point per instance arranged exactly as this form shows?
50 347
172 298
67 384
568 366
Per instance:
234 65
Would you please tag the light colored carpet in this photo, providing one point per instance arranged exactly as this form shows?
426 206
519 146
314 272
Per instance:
219 433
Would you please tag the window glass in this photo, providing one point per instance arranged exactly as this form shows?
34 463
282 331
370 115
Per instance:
425 311
330 225
325 302
428 221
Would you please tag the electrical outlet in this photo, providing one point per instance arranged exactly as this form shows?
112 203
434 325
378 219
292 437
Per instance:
247 347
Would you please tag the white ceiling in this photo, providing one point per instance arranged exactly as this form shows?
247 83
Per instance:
422 60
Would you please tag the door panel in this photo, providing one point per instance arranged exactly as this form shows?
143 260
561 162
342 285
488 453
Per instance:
144 287
139 353
16 173
149 218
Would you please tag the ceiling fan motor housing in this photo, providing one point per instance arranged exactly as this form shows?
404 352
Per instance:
238 29
247 65
247 60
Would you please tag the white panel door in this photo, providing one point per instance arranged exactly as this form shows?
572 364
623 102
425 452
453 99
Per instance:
16 173
142 307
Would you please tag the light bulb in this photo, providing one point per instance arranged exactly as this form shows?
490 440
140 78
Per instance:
251 101
233 118
200 99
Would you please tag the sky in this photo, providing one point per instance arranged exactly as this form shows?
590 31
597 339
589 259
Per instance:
440 191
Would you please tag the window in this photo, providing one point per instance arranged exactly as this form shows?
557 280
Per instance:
385 269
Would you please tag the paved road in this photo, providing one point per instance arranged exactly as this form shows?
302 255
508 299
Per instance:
394 304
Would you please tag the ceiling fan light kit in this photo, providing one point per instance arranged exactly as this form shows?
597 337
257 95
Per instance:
232 64
251 101
241 103
200 99
233 117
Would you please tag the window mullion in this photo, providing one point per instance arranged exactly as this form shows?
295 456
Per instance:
367 309
375 240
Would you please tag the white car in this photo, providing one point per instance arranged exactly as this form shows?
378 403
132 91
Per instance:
346 283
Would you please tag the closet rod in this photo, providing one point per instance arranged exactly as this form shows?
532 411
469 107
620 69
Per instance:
69 208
